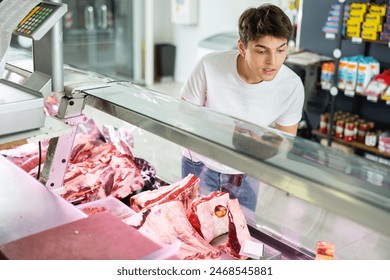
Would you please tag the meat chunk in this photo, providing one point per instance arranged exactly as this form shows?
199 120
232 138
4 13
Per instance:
26 156
208 215
185 191
238 230
324 250
103 172
167 223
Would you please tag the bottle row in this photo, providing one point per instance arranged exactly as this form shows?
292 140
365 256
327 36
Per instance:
351 127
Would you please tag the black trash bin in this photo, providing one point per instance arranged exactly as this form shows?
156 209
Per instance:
164 60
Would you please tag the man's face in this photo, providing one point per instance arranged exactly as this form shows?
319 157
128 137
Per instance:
263 58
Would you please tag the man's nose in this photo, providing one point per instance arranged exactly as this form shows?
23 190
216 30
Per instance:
271 58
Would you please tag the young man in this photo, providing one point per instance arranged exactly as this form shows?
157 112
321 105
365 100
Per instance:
251 84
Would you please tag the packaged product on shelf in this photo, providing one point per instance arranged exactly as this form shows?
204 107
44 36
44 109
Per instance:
384 142
332 21
372 26
331 29
375 66
357 16
376 18
353 32
324 120
356 7
378 84
373 22
378 9
371 138
349 131
367 69
337 7
368 34
339 128
352 71
362 130
351 24
363 76
327 74
343 69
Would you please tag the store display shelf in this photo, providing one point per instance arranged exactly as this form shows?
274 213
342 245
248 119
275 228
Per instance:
375 99
359 40
52 128
354 144
355 40
351 93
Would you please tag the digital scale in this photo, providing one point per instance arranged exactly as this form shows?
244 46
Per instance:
22 105
40 20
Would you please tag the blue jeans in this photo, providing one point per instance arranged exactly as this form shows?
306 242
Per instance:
243 187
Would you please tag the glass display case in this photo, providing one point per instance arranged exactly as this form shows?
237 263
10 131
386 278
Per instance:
308 192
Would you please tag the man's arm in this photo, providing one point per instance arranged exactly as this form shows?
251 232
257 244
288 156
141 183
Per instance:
292 129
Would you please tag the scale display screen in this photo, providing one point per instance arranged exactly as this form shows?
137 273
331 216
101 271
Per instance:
40 20
35 18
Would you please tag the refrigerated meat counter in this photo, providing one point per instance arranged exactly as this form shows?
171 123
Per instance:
308 192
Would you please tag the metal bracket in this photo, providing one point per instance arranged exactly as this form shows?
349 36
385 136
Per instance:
58 154
70 112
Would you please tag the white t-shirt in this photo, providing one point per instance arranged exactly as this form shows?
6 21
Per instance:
216 84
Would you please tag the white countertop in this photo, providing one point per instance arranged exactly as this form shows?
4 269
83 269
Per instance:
27 207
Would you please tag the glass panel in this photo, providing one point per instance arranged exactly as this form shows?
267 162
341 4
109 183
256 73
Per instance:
328 167
347 185
99 36
293 221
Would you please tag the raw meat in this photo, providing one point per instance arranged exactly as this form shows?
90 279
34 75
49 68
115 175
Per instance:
185 190
238 230
208 215
51 105
324 250
26 156
98 166
103 172
167 223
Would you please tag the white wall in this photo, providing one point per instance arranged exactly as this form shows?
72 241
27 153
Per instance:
214 16
163 27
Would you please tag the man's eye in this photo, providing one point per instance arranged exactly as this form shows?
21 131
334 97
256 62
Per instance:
281 51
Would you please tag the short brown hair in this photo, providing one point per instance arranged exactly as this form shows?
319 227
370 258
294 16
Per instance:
264 20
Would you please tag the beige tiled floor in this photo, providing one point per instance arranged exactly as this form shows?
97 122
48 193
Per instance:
170 88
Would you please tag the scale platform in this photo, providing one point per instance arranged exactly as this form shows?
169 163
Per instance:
21 108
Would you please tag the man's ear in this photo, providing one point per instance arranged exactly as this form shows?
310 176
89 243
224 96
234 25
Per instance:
241 48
